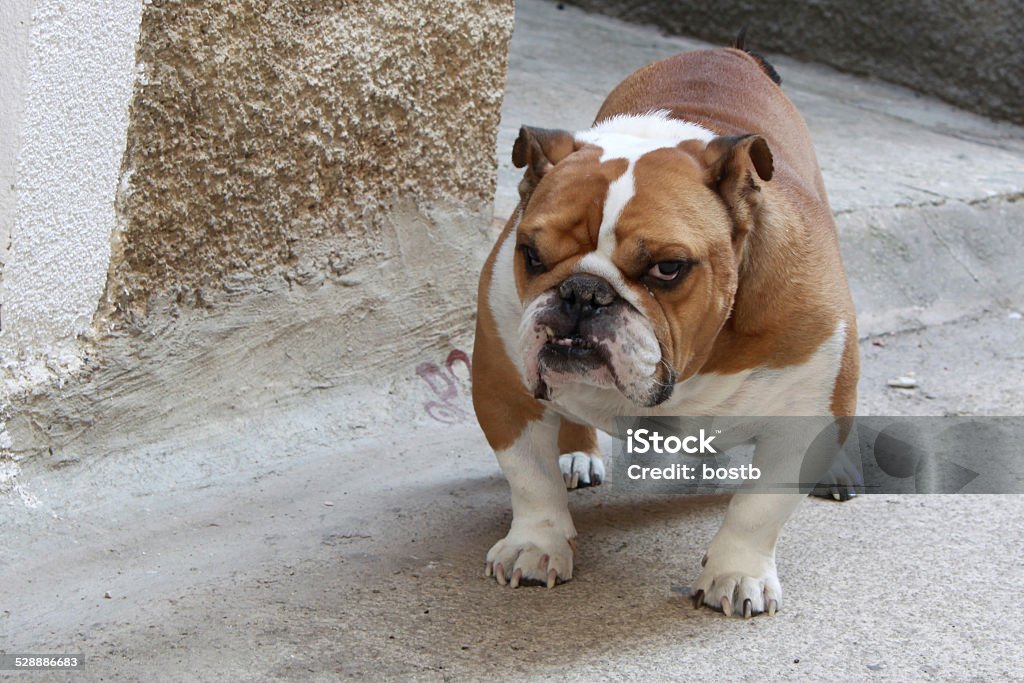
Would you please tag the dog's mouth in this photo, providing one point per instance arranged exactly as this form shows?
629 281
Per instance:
615 349
573 355
574 346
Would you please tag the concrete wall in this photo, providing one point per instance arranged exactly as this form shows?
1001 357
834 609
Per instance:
271 201
967 53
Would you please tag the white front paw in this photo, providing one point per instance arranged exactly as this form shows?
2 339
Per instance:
738 581
581 469
533 554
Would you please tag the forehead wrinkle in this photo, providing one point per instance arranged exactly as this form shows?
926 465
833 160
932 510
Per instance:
674 208
640 251
671 180
668 236
571 195
566 242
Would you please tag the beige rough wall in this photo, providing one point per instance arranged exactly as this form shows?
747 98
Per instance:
266 134
304 206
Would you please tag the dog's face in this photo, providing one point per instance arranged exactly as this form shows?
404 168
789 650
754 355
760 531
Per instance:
627 256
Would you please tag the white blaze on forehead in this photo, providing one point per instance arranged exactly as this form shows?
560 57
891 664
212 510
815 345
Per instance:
629 137
620 191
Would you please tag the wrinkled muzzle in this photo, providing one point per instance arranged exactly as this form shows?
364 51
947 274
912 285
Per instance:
582 332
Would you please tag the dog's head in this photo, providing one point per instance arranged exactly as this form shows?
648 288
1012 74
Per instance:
628 246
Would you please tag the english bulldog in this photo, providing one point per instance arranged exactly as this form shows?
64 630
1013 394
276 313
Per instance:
679 257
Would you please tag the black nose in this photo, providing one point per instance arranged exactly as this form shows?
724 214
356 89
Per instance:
583 296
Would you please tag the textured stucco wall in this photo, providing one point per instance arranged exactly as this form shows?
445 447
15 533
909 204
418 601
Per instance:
967 53
272 134
70 140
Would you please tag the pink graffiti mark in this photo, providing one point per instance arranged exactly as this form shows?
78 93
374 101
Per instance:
445 385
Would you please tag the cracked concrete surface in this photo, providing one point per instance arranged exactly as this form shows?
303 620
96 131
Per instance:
287 545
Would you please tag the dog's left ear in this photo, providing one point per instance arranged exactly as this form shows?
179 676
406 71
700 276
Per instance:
735 167
537 150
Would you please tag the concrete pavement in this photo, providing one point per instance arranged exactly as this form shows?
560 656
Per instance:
294 545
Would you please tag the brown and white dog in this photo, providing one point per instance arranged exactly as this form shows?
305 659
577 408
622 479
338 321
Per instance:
677 258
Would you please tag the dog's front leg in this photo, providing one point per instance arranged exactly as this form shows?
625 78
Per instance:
540 545
739 567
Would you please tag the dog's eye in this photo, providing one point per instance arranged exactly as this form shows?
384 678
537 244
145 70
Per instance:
669 271
533 263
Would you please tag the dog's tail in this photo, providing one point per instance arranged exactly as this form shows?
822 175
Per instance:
741 38
740 44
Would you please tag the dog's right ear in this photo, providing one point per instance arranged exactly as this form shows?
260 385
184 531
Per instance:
537 150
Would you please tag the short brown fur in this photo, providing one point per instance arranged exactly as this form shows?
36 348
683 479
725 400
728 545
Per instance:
495 375
574 437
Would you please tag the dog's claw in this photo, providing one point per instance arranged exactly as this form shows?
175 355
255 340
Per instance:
489 569
698 599
542 564
726 606
748 608
517 576
772 606
552 577
499 572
